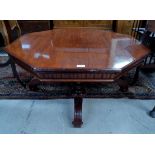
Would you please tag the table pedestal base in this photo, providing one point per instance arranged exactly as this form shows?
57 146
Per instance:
77 122
78 98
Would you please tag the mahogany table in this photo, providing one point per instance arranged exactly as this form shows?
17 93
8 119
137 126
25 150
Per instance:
77 55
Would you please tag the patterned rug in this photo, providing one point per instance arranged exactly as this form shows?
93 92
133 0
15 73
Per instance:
144 88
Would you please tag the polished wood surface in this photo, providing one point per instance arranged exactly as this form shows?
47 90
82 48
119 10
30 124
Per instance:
77 55
84 49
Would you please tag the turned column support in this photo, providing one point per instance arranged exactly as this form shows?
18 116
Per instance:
33 84
78 99
123 84
77 122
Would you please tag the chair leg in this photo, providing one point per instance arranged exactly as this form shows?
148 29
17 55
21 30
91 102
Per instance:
150 58
145 61
15 73
136 75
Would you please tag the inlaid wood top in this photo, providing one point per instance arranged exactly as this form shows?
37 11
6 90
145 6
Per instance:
77 48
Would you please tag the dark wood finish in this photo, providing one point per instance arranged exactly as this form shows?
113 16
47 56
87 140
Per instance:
77 122
64 49
29 26
77 55
13 33
78 92
15 73
114 25
33 84
123 85
51 24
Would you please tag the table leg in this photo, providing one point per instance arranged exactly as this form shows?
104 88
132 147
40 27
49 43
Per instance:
33 84
123 85
152 112
15 73
77 122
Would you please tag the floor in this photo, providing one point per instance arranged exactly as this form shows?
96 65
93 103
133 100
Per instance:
55 116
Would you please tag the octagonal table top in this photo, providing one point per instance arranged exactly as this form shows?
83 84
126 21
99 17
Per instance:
77 48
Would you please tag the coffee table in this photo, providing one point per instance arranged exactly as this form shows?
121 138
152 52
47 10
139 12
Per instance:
77 55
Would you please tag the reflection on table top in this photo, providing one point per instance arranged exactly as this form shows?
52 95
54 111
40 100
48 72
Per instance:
73 48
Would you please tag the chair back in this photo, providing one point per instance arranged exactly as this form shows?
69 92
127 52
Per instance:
148 38
138 28
13 30
4 33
